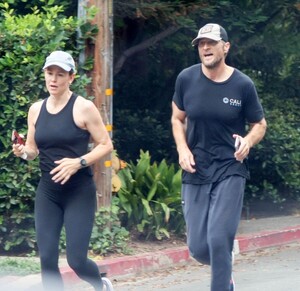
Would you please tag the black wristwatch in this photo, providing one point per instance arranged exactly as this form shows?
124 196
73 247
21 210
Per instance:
83 162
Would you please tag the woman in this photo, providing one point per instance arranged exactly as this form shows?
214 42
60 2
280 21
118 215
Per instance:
59 130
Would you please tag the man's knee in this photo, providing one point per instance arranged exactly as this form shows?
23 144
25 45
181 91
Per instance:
200 252
218 242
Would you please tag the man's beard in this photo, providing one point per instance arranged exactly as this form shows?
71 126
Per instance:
212 65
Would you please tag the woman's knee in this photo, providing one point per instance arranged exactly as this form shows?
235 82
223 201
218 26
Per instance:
49 262
76 262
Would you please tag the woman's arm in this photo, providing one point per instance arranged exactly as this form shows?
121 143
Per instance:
94 124
29 149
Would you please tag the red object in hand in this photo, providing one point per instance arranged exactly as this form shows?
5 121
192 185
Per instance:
16 138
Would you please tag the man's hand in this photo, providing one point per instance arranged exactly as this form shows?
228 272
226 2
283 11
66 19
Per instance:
242 148
186 160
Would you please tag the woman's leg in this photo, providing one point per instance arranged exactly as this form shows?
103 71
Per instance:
48 224
79 219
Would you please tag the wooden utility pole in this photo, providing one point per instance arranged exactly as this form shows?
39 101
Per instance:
101 50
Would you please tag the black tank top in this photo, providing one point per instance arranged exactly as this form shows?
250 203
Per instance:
57 136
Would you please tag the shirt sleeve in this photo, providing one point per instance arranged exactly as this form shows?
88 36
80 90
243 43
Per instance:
178 95
253 109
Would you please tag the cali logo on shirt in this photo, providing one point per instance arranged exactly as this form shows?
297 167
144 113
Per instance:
232 102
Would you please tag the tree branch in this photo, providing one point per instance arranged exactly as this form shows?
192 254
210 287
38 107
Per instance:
142 46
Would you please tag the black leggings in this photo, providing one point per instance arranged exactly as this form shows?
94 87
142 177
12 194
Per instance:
72 205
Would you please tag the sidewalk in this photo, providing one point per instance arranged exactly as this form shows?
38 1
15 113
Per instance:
252 234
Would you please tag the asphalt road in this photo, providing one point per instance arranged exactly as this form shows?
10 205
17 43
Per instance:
272 269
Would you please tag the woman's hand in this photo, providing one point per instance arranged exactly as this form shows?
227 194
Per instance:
65 169
19 151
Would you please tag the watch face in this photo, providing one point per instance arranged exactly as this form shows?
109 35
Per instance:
83 163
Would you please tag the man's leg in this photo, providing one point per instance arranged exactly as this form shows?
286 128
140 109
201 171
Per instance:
224 216
195 203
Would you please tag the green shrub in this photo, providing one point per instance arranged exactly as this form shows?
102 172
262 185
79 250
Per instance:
149 130
16 207
275 162
150 198
108 235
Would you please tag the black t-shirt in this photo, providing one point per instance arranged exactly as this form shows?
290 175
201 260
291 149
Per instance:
215 111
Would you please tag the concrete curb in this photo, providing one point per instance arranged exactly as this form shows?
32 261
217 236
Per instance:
246 243
130 265
137 264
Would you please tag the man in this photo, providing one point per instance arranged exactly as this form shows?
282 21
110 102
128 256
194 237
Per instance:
212 105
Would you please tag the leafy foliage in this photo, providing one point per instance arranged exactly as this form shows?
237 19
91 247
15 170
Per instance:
19 266
108 235
146 131
280 153
16 207
150 198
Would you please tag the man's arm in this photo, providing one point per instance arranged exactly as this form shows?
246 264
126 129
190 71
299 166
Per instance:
254 136
256 133
186 158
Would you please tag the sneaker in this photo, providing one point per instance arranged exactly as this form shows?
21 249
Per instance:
107 285
232 284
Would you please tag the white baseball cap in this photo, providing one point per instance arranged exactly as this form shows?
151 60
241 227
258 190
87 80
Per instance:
212 31
61 59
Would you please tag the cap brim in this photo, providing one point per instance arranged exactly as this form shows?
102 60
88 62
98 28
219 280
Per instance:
61 65
207 35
